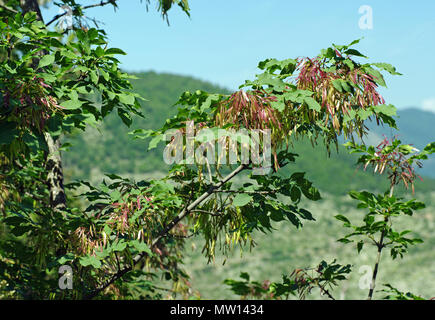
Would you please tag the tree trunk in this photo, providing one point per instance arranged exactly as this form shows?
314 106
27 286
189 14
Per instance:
55 174
31 5
53 159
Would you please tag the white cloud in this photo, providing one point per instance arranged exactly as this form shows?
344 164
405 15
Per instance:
428 105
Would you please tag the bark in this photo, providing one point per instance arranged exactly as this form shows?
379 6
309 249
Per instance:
31 5
55 174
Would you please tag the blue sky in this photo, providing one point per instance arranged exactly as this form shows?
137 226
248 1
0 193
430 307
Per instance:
223 41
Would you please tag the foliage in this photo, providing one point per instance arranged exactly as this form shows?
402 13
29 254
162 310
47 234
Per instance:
394 294
98 146
397 160
384 207
128 239
52 82
299 283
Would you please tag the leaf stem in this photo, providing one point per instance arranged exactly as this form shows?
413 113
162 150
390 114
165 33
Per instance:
380 246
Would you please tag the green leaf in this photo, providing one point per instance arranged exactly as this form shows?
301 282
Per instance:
106 77
113 176
114 51
271 65
141 246
94 76
125 117
154 141
344 240
126 98
68 54
71 104
363 114
359 245
162 188
297 176
90 261
20 230
92 33
115 195
337 85
312 104
245 276
99 51
242 199
342 218
354 52
346 86
269 80
387 67
119 246
386 109
379 79
209 101
295 194
46 60
306 214
66 258
349 63
276 215
311 193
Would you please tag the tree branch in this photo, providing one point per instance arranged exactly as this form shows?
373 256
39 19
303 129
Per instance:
166 230
7 8
247 192
101 4
326 292
208 212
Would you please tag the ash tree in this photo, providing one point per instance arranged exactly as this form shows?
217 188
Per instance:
128 240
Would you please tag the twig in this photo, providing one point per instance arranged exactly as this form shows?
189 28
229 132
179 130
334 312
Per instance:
325 291
174 236
208 212
60 15
248 192
8 9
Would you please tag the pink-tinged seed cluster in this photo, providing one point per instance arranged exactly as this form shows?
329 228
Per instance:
312 76
400 170
35 106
